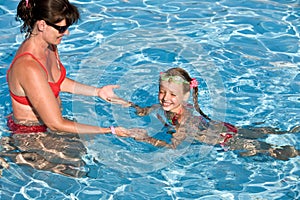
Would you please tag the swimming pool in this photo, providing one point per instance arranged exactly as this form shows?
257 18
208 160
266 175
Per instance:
245 55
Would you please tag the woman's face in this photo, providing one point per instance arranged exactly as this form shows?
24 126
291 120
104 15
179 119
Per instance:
171 96
56 31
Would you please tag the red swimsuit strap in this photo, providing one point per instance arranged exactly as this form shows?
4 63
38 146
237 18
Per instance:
55 86
22 54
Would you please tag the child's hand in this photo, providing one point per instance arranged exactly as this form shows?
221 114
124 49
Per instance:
118 100
144 111
138 133
140 111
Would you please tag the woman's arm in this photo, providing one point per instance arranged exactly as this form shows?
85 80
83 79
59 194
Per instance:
74 87
34 83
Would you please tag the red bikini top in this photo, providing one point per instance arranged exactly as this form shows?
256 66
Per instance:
54 86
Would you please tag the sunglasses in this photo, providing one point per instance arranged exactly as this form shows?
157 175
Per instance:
60 29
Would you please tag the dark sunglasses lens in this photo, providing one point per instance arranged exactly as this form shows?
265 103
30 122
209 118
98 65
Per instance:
62 29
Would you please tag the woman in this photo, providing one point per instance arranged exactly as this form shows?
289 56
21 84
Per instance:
36 75
35 78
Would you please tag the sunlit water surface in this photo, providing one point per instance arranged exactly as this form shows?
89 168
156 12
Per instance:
245 55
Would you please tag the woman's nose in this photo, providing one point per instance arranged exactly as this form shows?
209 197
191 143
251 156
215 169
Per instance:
67 32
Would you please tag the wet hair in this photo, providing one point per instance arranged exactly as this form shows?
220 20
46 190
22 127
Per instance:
52 11
186 87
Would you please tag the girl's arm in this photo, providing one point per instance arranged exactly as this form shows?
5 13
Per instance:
139 110
144 111
141 135
179 136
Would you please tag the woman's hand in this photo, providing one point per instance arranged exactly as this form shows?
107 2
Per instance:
107 92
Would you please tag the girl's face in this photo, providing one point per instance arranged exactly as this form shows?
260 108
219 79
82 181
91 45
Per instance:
171 96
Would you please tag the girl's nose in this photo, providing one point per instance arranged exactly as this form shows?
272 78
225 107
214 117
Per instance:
166 96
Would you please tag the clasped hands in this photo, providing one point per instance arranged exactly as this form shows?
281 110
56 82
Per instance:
136 133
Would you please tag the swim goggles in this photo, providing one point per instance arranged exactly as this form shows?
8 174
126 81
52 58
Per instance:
60 29
176 79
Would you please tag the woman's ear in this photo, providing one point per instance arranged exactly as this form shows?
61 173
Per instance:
41 25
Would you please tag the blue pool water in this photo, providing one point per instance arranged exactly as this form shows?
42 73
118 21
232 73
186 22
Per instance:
245 54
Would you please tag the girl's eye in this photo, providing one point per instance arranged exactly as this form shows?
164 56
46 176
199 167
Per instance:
174 95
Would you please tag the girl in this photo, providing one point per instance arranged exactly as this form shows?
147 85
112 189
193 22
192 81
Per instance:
174 90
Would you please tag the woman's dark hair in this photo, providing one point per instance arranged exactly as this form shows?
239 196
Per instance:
186 87
52 11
